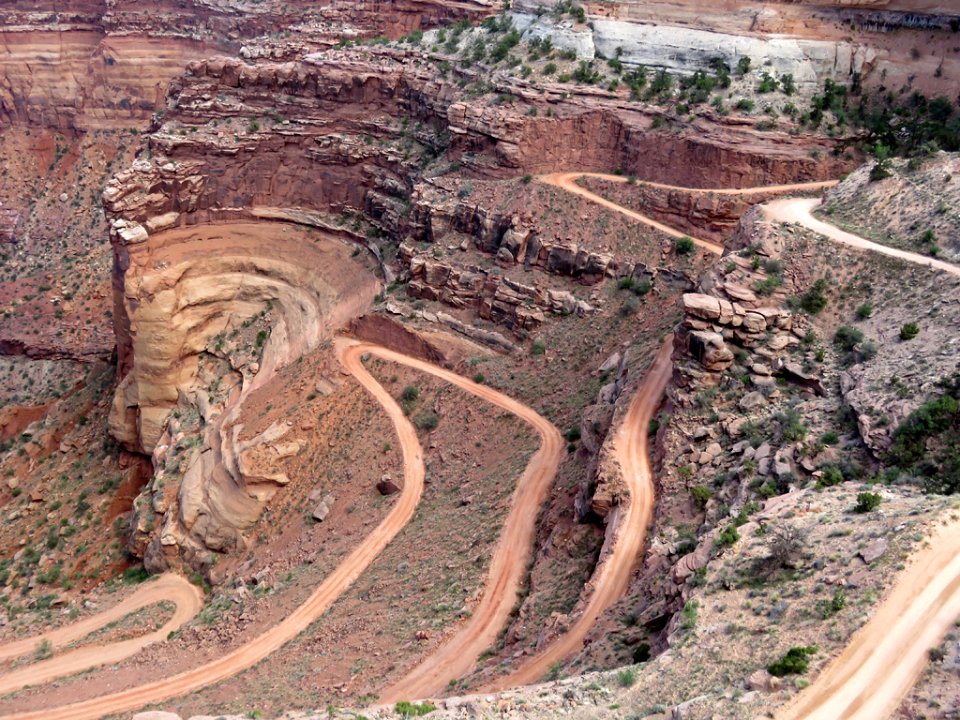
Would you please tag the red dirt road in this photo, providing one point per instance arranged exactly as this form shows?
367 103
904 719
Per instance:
868 680
459 654
320 600
164 588
612 577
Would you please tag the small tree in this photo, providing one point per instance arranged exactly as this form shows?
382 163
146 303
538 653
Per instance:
786 546
881 168
867 502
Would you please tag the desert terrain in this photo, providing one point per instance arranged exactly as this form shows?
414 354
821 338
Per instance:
479 359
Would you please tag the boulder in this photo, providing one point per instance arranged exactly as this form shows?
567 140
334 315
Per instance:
873 551
705 307
387 486
323 508
751 401
763 681
709 349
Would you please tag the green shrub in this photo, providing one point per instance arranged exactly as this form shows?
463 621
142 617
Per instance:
864 311
847 338
831 475
405 708
684 245
643 287
828 608
427 421
626 677
909 331
830 437
688 616
728 536
135 574
794 662
410 393
867 502
538 347
815 299
768 285
926 442
700 495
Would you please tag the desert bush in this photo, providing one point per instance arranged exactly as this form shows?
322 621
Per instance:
728 536
404 708
909 331
867 502
847 337
427 421
626 677
829 608
684 245
688 616
700 495
864 311
796 661
927 442
831 475
785 546
815 299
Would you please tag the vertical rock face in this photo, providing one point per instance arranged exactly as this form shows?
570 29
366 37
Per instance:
88 64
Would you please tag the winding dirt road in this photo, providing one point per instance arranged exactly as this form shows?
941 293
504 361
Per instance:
798 210
165 588
634 514
869 679
865 682
459 654
568 181
320 600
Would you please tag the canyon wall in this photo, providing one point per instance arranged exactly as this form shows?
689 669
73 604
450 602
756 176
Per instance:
107 63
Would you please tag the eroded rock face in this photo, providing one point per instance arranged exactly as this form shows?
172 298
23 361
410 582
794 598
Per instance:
89 64
185 293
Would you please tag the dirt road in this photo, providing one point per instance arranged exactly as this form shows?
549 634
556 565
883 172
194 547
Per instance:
871 676
456 657
876 670
798 210
320 600
459 654
165 588
612 576
567 181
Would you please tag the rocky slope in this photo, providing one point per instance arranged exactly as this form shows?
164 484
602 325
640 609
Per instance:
287 165
914 209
